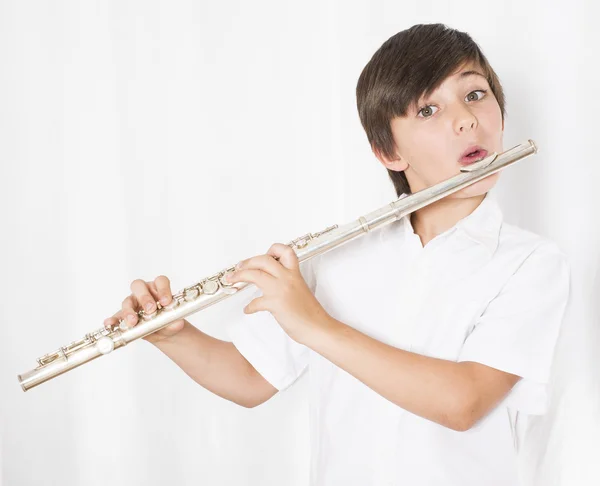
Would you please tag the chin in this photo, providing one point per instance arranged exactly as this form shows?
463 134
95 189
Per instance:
477 189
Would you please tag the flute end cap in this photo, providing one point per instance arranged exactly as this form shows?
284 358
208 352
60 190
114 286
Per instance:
21 383
533 144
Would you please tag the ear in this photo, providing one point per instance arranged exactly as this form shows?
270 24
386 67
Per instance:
397 164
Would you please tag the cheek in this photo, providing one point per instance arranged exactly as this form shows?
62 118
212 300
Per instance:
432 157
417 141
491 118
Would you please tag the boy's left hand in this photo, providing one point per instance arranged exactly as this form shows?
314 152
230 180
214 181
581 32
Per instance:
285 293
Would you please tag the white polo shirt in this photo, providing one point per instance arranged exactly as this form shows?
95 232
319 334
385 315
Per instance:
483 291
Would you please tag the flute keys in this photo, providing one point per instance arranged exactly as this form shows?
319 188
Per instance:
147 317
227 287
105 345
210 287
191 294
302 243
174 303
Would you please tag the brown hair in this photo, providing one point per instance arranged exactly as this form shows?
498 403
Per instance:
410 64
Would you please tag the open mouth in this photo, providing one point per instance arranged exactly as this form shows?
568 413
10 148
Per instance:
474 156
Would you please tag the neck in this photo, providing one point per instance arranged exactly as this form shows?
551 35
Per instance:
436 218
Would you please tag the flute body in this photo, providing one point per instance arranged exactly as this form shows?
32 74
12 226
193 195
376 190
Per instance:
215 288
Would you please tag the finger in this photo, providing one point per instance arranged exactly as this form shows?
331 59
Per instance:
163 290
112 320
153 291
259 278
142 293
257 305
286 256
266 263
129 310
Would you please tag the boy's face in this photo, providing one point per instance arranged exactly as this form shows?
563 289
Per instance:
433 135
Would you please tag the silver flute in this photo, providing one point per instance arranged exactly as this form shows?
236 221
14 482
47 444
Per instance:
215 288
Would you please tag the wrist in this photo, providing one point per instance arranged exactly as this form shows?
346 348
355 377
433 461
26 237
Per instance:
324 328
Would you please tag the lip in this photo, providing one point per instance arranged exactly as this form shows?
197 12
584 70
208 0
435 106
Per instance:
465 160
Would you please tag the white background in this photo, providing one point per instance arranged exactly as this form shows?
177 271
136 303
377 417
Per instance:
140 138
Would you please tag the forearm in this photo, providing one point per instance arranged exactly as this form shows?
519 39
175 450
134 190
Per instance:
215 365
439 390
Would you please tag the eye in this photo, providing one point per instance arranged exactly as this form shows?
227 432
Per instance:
483 91
426 109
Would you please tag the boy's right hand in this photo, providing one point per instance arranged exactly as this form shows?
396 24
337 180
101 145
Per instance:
147 294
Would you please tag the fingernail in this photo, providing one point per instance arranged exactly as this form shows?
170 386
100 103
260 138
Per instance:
164 300
131 318
239 265
149 307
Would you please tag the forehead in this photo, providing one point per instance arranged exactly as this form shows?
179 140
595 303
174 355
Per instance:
467 70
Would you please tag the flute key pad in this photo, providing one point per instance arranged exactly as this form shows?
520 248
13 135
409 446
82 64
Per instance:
210 287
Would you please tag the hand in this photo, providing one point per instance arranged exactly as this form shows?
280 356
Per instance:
285 293
145 295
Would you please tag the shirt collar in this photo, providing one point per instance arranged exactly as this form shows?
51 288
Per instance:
482 225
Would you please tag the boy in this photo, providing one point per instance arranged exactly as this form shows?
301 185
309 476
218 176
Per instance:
427 342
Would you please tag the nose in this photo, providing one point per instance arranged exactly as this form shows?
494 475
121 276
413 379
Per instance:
465 120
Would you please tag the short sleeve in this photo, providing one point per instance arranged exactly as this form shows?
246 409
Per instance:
518 330
262 341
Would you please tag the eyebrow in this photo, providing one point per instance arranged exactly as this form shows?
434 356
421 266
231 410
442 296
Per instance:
471 73
465 74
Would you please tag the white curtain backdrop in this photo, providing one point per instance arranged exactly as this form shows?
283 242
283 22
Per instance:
140 138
